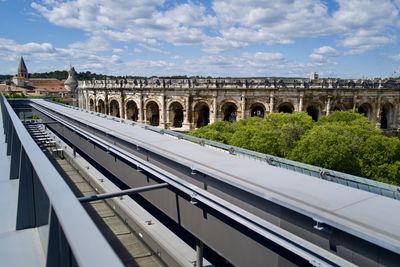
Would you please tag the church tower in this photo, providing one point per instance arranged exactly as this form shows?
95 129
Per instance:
71 83
22 70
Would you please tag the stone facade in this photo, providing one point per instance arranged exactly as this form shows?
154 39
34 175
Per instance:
185 104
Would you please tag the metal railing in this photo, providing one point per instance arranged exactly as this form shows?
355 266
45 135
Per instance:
353 181
315 255
69 237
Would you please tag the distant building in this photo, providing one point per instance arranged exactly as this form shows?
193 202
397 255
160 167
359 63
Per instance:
314 76
71 83
42 87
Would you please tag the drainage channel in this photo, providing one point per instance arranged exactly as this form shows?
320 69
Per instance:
127 244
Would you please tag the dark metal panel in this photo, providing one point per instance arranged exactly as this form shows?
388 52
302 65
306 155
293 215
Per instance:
26 202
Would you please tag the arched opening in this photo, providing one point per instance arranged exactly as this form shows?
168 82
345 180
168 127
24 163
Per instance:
286 108
257 110
132 111
201 114
153 113
176 114
313 112
114 108
229 112
101 107
387 116
91 105
366 110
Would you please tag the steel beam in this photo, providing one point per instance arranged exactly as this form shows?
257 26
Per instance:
122 193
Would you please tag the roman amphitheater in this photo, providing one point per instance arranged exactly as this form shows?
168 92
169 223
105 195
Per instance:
186 104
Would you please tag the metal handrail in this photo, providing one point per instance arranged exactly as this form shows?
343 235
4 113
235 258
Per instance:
297 245
88 246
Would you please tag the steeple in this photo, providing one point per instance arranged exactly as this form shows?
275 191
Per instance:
22 70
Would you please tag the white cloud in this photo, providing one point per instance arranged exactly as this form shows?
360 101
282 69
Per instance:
94 43
218 44
271 21
233 23
365 24
395 57
325 50
12 46
323 53
364 40
154 49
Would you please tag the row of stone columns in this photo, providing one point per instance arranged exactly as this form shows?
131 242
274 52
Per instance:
187 108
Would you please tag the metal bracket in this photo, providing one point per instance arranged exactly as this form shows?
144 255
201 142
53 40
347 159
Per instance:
193 199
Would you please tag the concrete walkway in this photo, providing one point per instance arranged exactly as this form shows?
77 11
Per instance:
17 248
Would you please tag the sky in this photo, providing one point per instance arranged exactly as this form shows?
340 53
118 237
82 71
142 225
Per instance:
230 38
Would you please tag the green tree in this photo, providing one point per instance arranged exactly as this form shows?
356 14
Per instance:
380 159
332 146
220 131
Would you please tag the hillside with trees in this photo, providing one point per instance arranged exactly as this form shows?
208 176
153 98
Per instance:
343 141
63 75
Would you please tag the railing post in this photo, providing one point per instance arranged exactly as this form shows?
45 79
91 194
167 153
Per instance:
15 159
199 253
33 203
26 202
11 140
42 203
58 250
6 125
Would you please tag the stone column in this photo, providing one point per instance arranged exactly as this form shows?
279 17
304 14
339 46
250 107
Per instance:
87 99
378 113
79 99
354 104
187 110
95 101
271 103
163 119
215 108
186 122
122 108
106 104
167 122
301 102
141 109
328 106
243 106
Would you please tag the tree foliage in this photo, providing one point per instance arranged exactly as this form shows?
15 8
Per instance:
220 131
343 141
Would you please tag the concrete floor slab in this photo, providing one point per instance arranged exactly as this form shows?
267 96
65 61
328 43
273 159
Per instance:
21 248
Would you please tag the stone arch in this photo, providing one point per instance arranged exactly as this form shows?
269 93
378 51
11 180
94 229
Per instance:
366 110
153 113
314 111
101 106
201 114
286 107
91 104
176 114
257 110
114 108
229 111
387 116
132 111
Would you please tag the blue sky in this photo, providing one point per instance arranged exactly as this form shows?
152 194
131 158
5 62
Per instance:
343 38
